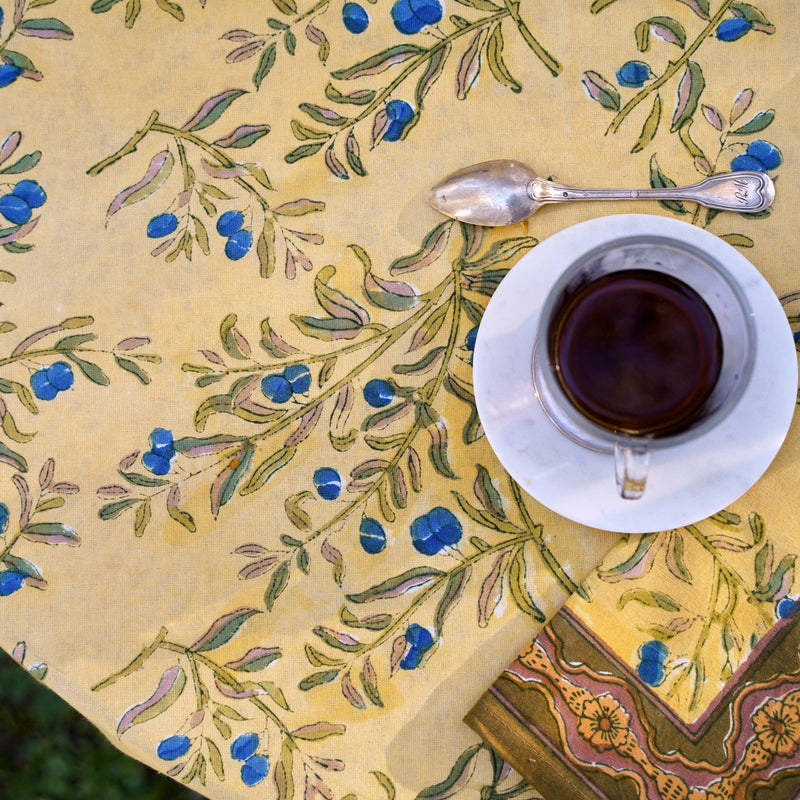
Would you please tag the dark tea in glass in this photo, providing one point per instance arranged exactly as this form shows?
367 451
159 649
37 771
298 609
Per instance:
636 351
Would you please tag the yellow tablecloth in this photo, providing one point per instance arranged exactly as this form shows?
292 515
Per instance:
236 355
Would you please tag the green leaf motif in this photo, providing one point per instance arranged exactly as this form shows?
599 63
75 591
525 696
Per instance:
212 109
223 630
45 28
650 126
760 121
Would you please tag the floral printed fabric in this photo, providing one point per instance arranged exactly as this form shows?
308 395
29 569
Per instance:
250 524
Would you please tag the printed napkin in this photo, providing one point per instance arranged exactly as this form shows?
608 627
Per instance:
673 673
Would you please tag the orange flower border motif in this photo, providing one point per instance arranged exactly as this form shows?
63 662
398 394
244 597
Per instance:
568 716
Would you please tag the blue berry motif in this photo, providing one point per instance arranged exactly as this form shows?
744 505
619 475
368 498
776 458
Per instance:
355 18
761 156
5 516
652 656
787 607
60 375
729 30
31 193
239 245
162 442
400 113
254 770
8 74
298 377
472 336
373 536
633 74
158 459
765 152
173 747
244 746
745 162
42 388
411 16
10 582
378 393
15 209
162 225
229 223
420 640
276 388
328 483
434 531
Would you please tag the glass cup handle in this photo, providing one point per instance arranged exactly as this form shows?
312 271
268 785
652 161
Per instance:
631 464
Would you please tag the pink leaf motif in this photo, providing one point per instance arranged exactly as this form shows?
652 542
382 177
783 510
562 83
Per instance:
19 232
390 295
255 659
167 692
470 65
157 173
741 103
491 590
223 173
9 146
336 303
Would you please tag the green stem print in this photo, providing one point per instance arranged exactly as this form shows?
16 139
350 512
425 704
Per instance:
35 525
15 64
179 226
226 695
392 118
742 582
49 360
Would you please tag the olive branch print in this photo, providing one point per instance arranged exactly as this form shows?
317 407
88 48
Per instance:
391 118
49 357
730 144
265 45
19 198
345 655
134 7
739 611
14 63
34 525
275 397
179 226
730 22
227 693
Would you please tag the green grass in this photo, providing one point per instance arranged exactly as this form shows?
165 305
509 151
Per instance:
50 752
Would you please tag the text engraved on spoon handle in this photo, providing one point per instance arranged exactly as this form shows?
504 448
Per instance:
739 191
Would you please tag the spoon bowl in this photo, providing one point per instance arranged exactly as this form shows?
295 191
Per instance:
504 192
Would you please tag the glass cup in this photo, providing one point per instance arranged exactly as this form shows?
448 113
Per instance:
630 440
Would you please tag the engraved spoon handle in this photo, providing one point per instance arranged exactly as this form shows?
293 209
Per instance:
738 191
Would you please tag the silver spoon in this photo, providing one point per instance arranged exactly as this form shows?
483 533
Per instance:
504 192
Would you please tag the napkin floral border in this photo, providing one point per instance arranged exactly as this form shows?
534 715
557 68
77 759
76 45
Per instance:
567 713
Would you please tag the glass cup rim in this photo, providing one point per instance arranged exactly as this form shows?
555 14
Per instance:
568 418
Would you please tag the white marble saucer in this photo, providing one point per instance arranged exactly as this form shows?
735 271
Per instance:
685 483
